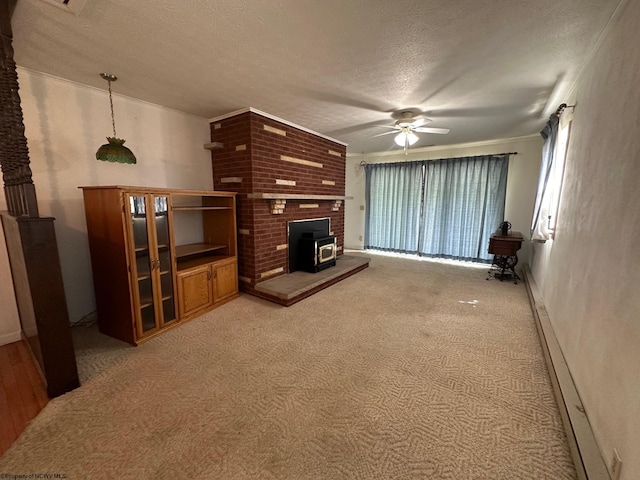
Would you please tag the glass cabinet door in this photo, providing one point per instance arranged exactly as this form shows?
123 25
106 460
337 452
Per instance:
152 267
164 265
143 266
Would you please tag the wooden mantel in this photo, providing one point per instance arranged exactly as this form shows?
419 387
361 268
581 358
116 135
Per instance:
297 196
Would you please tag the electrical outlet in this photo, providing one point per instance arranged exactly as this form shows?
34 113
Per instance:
616 465
361 207
360 238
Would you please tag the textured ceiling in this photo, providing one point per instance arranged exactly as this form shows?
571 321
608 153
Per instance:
486 69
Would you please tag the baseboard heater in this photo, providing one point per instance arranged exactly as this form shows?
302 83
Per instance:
584 449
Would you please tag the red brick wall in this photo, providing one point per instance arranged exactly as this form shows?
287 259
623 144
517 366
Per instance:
254 153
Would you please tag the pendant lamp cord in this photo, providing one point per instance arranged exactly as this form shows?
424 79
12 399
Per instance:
113 119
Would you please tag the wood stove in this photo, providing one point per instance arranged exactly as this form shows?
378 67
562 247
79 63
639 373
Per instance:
311 246
316 251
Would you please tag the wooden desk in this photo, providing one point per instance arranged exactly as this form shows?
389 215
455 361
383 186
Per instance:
505 257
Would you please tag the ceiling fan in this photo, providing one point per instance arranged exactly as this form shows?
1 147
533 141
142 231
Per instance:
407 127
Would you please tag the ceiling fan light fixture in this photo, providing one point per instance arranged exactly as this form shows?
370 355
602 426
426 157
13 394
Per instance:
403 137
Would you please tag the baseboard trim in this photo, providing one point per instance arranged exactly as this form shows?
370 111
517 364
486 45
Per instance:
582 443
12 337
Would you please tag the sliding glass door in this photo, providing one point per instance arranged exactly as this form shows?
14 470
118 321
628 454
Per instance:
442 208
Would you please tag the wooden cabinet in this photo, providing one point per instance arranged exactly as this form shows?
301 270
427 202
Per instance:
505 245
195 290
159 256
225 280
505 255
202 286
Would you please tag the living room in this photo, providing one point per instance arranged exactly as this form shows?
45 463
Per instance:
588 295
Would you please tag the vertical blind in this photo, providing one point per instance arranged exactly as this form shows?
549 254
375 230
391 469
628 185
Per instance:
444 208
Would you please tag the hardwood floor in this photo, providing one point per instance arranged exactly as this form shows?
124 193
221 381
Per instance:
22 392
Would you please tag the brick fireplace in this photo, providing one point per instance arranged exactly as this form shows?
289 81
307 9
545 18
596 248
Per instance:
282 173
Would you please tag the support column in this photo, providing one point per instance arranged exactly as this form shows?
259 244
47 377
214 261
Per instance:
19 189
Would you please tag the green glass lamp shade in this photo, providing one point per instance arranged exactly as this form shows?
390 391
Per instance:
115 151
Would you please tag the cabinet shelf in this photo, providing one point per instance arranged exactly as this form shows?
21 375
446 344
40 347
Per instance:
198 208
199 261
146 275
196 248
146 302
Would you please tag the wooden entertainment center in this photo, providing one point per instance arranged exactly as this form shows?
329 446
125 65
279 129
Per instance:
159 256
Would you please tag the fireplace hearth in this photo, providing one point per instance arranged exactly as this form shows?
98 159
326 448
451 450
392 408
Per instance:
289 289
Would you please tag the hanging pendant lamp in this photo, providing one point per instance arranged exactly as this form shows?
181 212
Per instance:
114 151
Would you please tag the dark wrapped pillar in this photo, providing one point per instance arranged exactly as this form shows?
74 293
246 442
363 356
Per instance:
31 239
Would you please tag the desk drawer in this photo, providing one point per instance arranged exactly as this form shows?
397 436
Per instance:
503 247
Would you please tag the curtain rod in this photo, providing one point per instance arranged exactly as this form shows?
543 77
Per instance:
363 164
561 108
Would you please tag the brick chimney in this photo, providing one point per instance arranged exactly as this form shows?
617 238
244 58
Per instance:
282 173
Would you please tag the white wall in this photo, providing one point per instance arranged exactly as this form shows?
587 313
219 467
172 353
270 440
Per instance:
9 320
521 182
65 123
589 275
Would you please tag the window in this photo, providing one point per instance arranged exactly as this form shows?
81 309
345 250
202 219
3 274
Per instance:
554 151
557 172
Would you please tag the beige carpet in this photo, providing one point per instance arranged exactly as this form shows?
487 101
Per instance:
407 370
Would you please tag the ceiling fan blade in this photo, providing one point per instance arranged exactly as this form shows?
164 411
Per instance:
431 130
421 121
337 133
395 127
385 133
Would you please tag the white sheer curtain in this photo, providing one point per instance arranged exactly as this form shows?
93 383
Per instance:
463 205
442 208
540 222
393 197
